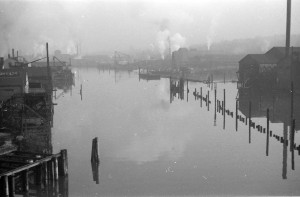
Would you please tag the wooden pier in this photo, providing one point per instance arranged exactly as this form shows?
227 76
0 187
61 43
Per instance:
18 170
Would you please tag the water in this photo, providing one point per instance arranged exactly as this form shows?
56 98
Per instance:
153 145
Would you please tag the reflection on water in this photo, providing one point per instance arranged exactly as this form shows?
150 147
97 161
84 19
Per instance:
153 143
280 108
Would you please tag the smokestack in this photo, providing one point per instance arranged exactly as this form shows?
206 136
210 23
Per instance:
13 53
17 53
288 28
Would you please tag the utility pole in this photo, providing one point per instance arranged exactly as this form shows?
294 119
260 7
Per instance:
288 28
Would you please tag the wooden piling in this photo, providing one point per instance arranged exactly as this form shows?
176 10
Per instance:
267 143
215 114
55 162
292 134
63 163
38 175
284 162
94 155
224 108
250 122
45 174
292 102
207 101
6 186
224 94
236 115
81 91
11 183
63 186
25 181
95 171
200 96
51 169
292 144
187 91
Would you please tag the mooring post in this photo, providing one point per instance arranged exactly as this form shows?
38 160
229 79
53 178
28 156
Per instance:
268 131
250 122
63 163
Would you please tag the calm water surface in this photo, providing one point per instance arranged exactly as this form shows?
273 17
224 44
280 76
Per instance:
153 147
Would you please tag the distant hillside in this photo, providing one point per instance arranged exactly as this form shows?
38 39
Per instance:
250 45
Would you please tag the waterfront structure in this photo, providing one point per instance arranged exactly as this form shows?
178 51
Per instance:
270 70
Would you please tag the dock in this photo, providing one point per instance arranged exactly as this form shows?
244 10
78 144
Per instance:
22 172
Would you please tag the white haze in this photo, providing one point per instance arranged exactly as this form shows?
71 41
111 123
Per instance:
99 26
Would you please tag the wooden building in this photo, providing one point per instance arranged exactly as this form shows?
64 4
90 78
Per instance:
270 70
12 81
39 79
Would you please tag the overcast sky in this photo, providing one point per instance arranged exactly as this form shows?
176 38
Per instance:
127 24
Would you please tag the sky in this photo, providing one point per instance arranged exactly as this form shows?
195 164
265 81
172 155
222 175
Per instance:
98 26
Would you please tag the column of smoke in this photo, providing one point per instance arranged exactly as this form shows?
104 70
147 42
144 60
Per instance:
165 40
212 30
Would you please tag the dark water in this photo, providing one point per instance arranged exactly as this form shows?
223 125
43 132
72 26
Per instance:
154 144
